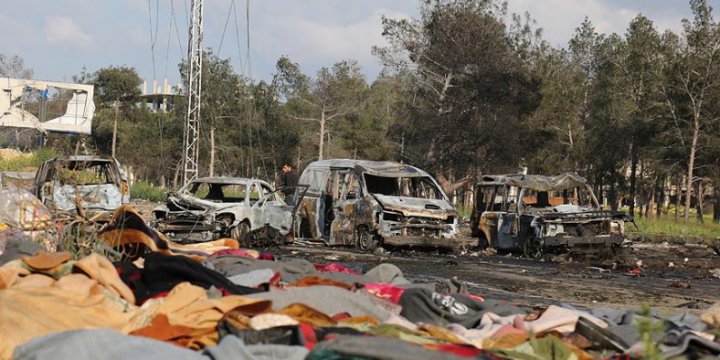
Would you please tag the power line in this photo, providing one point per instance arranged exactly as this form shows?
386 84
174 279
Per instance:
153 37
177 31
227 20
237 38
167 49
247 32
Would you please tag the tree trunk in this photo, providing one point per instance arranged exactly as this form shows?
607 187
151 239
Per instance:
699 203
716 206
612 195
633 171
599 190
678 192
322 134
211 170
660 191
115 121
691 166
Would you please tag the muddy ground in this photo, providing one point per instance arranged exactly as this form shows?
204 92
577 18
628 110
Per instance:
671 278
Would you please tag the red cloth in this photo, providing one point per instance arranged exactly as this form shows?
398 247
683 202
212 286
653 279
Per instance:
266 256
386 291
462 350
335 267
236 252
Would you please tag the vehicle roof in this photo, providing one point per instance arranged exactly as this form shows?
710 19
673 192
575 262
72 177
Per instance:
379 168
536 182
226 180
82 158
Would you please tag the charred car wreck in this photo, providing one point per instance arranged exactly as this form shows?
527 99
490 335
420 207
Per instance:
210 208
368 203
533 212
90 185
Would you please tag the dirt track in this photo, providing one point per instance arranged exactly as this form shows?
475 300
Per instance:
687 285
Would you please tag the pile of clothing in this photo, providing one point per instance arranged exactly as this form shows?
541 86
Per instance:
160 300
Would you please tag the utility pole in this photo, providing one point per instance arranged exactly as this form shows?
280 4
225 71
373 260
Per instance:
191 136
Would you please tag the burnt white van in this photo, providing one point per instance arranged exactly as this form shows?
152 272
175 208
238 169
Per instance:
370 203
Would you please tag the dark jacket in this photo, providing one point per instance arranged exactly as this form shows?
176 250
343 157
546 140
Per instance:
289 181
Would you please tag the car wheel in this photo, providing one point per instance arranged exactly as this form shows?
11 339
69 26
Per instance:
240 232
365 240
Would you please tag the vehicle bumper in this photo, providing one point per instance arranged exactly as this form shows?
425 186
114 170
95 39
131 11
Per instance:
440 242
582 240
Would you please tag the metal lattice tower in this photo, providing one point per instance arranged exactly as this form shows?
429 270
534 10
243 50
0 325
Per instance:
191 136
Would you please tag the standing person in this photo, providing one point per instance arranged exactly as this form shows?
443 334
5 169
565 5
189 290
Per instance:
289 181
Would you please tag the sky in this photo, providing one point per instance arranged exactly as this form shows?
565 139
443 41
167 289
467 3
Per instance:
57 38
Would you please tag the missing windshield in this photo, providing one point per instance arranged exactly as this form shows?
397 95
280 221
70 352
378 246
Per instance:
415 186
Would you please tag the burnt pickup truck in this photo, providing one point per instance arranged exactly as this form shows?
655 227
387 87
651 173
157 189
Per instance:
534 213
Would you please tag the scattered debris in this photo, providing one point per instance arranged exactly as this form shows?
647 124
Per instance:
680 284
715 273
633 272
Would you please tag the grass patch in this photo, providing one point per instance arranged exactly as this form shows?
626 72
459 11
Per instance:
147 191
665 229
27 162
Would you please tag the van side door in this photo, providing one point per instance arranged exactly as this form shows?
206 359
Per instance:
345 208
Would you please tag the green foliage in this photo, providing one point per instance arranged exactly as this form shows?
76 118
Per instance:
667 229
117 84
28 162
147 191
651 330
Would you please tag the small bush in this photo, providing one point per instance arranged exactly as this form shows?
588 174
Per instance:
147 191
27 162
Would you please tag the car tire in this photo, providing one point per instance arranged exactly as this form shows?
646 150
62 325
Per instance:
240 232
365 240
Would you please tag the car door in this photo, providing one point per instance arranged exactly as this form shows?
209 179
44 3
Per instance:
345 208
271 210
507 224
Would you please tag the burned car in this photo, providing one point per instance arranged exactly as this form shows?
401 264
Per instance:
369 203
214 207
533 213
90 185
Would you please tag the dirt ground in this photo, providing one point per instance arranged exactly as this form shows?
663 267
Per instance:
670 278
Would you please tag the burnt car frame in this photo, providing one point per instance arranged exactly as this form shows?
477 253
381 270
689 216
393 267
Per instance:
370 203
533 213
90 185
213 207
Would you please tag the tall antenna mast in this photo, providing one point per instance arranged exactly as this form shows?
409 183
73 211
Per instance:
191 136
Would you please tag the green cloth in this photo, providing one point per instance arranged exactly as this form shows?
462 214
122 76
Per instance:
402 333
547 348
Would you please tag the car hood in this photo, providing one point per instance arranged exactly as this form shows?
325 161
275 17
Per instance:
410 206
195 203
105 197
